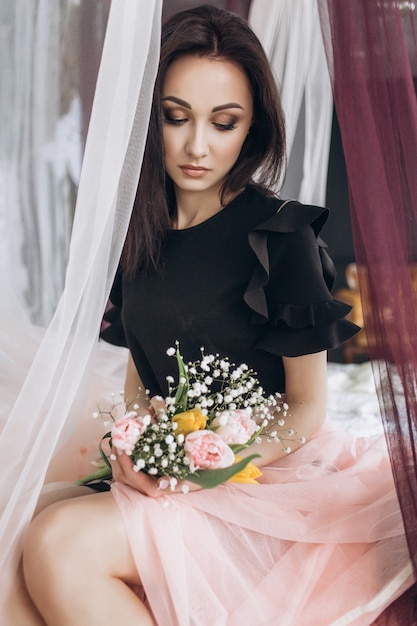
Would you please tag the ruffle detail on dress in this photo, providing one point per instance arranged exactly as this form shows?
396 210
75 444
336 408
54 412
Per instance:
283 342
294 327
283 221
302 315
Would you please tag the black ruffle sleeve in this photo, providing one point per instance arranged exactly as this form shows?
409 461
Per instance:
112 329
290 291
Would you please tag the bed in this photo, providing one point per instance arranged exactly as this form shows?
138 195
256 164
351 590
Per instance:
353 401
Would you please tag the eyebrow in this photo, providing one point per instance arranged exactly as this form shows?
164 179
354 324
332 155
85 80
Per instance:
187 105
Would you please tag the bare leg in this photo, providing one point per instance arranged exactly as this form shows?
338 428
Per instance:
18 609
78 565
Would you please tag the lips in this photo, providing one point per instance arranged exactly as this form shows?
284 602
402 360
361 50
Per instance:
194 171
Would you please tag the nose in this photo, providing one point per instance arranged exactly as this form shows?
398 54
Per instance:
197 141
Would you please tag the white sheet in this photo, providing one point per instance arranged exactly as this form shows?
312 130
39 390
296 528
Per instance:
353 401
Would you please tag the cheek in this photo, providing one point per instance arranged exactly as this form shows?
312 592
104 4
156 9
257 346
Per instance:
173 141
232 149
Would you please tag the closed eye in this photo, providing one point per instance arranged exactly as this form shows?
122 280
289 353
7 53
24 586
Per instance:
175 121
223 127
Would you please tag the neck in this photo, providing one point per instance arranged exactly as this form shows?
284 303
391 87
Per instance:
193 208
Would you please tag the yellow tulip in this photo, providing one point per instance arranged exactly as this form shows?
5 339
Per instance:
246 476
189 421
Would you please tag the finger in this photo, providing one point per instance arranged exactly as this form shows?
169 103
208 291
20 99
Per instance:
117 472
158 404
114 460
144 412
139 480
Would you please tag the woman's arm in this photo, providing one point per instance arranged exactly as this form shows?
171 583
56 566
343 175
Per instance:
306 396
134 388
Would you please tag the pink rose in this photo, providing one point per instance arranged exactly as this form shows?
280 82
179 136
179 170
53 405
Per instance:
127 430
235 427
206 450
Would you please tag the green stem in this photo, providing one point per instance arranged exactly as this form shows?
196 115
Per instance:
103 473
182 389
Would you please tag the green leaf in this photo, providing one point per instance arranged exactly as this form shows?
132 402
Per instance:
182 389
104 473
211 478
102 453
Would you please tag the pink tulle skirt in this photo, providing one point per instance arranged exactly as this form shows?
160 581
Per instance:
320 542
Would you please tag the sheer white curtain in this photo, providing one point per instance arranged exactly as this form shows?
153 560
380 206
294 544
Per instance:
290 33
53 371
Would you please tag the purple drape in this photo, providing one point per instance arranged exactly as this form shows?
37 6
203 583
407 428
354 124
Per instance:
372 56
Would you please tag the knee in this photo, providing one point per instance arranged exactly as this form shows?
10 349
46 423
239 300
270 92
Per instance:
51 544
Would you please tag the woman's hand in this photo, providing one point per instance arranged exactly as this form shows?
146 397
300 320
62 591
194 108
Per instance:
152 486
123 472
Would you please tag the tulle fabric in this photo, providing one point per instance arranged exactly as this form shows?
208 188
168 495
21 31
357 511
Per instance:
74 457
45 375
320 541
77 457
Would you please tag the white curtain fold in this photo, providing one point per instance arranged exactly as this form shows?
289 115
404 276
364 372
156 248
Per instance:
290 33
47 384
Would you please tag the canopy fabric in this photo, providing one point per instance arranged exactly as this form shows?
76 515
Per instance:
304 83
372 54
56 367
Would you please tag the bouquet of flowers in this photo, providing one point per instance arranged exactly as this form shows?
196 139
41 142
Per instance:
214 411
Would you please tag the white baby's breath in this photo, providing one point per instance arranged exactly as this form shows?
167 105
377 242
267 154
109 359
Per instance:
213 386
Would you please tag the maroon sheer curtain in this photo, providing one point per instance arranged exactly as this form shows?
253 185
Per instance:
372 54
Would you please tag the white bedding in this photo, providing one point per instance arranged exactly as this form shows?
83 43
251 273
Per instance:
353 401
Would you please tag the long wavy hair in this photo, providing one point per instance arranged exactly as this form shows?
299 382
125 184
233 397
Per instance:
205 31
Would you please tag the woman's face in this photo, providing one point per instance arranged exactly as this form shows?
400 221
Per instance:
207 108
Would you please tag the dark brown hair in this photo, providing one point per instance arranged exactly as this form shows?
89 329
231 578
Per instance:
205 31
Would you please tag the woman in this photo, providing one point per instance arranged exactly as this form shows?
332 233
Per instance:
213 259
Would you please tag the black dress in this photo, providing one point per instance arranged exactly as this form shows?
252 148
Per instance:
308 544
251 283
